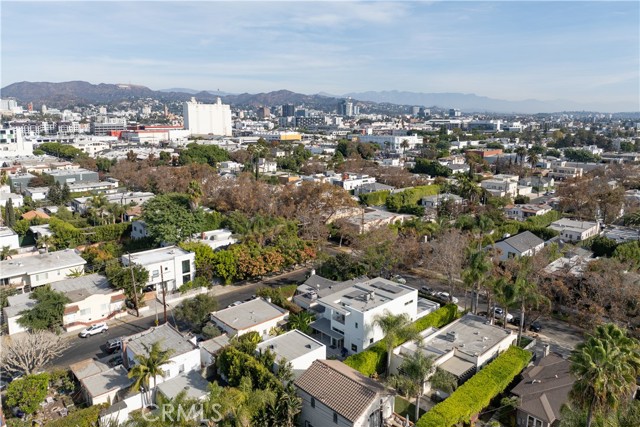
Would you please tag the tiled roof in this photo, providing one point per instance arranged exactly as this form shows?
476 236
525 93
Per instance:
34 214
340 388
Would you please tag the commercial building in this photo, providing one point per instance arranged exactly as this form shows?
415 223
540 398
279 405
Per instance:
205 119
396 143
171 266
70 176
13 144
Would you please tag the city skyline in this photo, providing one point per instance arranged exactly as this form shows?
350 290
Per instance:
584 52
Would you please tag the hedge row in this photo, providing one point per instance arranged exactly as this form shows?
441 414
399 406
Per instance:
373 360
410 197
476 394
377 198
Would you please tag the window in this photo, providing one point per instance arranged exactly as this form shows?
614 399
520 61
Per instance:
335 418
155 273
186 266
370 340
313 402
85 312
408 302
186 278
103 307
354 348
533 422
356 325
181 368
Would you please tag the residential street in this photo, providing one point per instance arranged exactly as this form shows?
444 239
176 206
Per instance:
83 348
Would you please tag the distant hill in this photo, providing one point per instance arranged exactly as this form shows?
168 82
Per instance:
466 102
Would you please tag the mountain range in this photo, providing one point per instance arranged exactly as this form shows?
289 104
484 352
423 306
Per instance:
68 94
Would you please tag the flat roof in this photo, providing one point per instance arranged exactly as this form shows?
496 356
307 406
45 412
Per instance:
291 345
156 255
249 314
473 336
80 288
18 303
40 263
571 224
89 367
169 339
6 232
366 295
104 382
192 383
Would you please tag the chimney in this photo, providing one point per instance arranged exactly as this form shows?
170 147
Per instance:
545 350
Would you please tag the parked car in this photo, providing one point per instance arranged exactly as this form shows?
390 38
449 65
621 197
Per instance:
114 345
234 304
98 328
399 279
535 326
427 290
446 297
499 312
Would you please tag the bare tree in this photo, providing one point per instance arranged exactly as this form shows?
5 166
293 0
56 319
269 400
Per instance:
29 352
447 254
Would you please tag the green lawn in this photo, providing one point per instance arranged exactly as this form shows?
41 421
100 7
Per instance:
404 407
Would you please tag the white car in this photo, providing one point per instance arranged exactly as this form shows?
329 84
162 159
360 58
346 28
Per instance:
499 313
446 297
98 328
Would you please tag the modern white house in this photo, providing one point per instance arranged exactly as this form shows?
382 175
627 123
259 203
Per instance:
40 269
436 200
575 231
333 393
139 230
215 239
348 316
351 181
257 315
561 170
170 265
524 211
294 347
523 244
501 185
461 348
91 300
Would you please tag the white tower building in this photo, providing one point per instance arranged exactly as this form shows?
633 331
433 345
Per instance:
205 119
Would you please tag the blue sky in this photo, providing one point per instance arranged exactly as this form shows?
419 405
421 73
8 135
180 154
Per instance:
587 52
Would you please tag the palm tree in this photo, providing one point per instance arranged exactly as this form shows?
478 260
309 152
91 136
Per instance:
415 369
506 294
6 252
526 292
397 328
605 366
404 144
194 191
45 241
534 158
99 206
521 152
149 366
476 274
301 321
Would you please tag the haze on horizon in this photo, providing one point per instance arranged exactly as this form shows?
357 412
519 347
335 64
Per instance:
581 51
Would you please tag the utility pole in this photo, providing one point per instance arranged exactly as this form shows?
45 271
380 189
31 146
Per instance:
135 290
164 295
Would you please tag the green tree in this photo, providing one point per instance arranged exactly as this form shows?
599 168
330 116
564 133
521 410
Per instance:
120 278
606 367
47 313
170 220
195 194
46 241
195 311
10 214
27 393
477 273
148 366
301 321
397 328
628 253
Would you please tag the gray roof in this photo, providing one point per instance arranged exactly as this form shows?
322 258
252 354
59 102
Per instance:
18 303
169 339
80 288
215 344
153 256
339 387
40 263
190 382
290 345
104 382
524 241
89 367
364 296
248 314
545 388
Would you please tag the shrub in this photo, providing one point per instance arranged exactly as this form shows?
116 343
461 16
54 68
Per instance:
87 417
476 394
377 198
103 233
234 365
27 393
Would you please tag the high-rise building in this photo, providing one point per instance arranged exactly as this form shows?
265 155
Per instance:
454 112
288 110
263 113
205 119
345 108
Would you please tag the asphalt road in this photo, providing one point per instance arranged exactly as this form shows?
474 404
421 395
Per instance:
85 348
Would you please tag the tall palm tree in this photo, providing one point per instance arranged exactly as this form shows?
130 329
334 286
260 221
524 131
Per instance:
526 292
505 293
415 369
534 158
476 274
606 367
6 252
99 206
397 328
149 367
194 191
521 152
